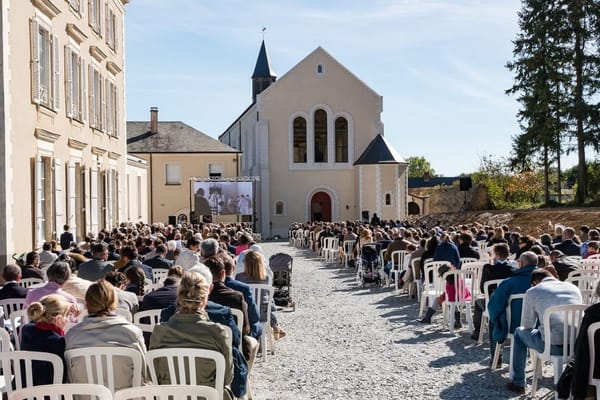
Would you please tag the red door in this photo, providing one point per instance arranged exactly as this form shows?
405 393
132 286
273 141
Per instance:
320 207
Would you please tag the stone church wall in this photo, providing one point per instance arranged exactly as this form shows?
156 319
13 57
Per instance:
443 199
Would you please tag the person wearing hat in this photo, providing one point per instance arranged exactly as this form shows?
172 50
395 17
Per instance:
564 264
451 290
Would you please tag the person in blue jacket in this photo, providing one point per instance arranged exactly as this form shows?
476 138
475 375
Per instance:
447 251
518 282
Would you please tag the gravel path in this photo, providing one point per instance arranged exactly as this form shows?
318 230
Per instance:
344 342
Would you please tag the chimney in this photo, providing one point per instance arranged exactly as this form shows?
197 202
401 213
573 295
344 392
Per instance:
153 120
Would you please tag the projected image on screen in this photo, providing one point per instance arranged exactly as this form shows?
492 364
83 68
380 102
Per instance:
222 198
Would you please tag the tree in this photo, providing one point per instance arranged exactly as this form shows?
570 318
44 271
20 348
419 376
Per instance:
419 167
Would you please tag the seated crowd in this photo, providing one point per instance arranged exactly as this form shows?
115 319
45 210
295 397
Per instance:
88 292
548 270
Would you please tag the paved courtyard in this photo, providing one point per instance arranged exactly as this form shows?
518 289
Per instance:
344 342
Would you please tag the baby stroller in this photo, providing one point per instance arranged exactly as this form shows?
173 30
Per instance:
281 265
370 269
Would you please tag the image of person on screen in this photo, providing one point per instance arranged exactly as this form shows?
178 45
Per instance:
245 205
201 206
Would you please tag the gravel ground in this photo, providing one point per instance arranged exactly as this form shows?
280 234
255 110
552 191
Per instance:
344 342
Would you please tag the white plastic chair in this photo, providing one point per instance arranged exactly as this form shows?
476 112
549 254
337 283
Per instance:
433 285
148 286
66 391
18 319
509 336
10 305
159 275
476 268
31 282
13 361
183 360
591 332
5 343
571 315
153 316
590 263
165 392
415 284
397 258
467 260
593 256
462 280
239 320
258 290
586 284
485 316
98 364
348 247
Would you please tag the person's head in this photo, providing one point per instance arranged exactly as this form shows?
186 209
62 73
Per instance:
32 258
555 255
593 234
128 253
568 233
11 272
498 232
135 276
466 238
501 251
527 259
66 228
193 243
217 268
228 262
116 278
546 239
254 266
209 247
59 272
176 270
539 274
99 251
593 246
101 298
204 271
52 309
161 249
192 294
244 239
47 246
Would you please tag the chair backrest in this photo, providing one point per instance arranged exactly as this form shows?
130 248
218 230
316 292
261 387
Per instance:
5 344
462 285
66 391
159 274
593 256
591 332
183 360
10 305
432 280
148 286
569 316
590 263
150 318
239 318
21 365
29 282
165 392
475 267
349 246
18 319
467 260
586 284
489 287
398 258
513 297
261 298
98 363
594 273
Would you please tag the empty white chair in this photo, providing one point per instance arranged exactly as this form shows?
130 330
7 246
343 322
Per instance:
348 247
181 365
570 315
67 391
97 364
20 363
259 296
586 281
151 319
397 258
166 392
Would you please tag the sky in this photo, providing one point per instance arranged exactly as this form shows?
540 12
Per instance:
439 65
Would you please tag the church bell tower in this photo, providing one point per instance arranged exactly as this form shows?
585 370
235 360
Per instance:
263 74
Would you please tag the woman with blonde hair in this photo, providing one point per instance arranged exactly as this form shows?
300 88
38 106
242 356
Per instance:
45 333
102 327
190 327
255 271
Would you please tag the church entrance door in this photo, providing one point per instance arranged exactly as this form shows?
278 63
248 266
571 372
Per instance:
320 207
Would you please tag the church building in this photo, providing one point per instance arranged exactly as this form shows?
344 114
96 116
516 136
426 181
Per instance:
315 140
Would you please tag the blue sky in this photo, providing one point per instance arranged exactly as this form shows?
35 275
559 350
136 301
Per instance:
439 64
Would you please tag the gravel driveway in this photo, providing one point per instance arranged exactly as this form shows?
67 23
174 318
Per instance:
344 342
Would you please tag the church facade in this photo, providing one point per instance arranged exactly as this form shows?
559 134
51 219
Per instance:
314 138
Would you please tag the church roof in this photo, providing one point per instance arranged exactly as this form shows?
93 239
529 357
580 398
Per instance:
263 67
172 137
379 151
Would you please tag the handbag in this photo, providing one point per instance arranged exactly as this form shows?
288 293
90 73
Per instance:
563 386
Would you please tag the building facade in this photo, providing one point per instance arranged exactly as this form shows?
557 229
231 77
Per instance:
309 138
62 118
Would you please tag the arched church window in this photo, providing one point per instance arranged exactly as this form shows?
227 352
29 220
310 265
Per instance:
388 199
320 118
341 140
279 207
299 140
319 69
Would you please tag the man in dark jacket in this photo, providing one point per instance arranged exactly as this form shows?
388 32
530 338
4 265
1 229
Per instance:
97 267
12 289
568 245
159 261
32 268
564 264
465 250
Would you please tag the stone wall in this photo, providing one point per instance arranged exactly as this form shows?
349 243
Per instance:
443 199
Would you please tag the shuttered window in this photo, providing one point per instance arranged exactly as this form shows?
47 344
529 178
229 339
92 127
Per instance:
45 66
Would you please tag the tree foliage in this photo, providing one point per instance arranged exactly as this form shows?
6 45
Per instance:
418 167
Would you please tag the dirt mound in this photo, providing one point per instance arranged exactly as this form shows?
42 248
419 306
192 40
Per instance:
531 222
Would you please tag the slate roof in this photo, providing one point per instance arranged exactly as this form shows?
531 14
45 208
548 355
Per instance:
433 181
263 68
379 151
172 137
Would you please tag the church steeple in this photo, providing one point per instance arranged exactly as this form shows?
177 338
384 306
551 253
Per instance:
263 74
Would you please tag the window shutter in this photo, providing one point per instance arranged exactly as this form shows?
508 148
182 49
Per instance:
106 21
91 13
103 103
55 74
107 108
84 91
109 197
116 32
92 89
58 193
94 199
71 197
39 200
101 18
35 61
69 92
82 13
117 211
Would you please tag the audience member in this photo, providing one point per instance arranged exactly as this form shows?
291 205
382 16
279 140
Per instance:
98 266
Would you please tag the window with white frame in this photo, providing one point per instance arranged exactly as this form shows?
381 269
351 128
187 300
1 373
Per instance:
95 15
76 5
97 99
111 109
75 83
172 174
111 28
45 66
